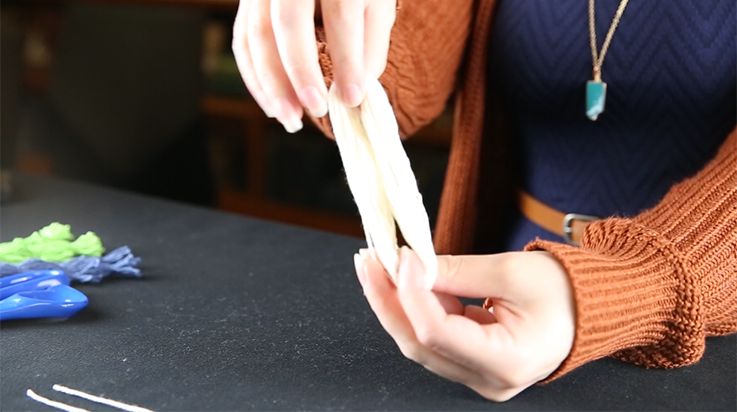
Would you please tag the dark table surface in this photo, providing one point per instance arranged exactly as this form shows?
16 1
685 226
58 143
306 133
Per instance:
241 314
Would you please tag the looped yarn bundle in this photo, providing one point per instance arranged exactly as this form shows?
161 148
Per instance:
53 248
85 269
53 243
381 179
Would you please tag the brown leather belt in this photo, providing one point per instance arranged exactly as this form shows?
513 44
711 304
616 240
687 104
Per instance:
570 226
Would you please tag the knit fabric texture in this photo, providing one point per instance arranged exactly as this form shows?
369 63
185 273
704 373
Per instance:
671 101
649 288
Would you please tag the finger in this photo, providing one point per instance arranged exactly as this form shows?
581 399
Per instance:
455 337
344 28
475 276
294 31
450 303
268 67
380 17
381 295
242 55
479 315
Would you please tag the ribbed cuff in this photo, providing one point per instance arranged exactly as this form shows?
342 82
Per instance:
634 298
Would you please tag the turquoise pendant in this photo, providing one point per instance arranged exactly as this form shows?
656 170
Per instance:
595 98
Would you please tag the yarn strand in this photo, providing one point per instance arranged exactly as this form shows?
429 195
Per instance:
54 404
100 399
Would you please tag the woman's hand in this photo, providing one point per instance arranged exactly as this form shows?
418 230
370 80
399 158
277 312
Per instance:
499 352
275 47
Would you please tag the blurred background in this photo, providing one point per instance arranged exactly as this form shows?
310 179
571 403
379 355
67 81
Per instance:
145 95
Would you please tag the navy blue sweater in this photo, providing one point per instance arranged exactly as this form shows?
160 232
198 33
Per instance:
671 72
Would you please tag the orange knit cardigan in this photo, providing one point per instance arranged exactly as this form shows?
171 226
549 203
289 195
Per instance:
648 289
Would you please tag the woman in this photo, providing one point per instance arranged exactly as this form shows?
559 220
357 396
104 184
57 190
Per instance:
532 162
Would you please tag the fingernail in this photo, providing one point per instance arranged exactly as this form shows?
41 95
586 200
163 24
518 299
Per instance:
369 253
286 114
410 270
360 265
261 99
315 103
292 125
269 112
352 95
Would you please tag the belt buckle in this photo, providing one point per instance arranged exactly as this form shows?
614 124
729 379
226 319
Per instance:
568 222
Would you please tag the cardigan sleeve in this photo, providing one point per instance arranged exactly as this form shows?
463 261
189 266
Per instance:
425 53
649 289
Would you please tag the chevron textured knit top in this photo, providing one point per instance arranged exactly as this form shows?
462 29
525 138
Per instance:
671 100
653 281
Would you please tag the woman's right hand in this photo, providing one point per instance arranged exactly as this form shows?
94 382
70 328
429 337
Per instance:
524 337
275 47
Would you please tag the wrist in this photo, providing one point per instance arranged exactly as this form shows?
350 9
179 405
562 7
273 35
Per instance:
634 298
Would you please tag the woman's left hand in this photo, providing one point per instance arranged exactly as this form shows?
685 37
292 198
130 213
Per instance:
525 336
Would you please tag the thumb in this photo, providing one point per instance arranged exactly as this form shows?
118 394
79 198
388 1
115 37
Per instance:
411 272
475 276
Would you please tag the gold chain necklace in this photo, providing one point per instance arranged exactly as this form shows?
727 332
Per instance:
596 89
